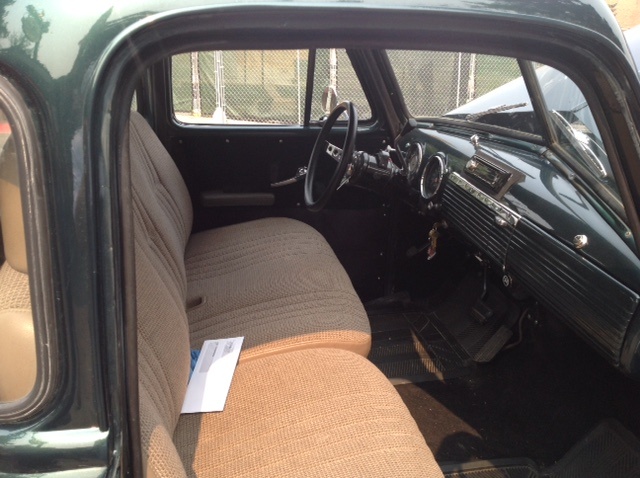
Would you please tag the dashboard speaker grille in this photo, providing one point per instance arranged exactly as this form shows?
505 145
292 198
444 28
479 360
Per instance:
596 305
476 222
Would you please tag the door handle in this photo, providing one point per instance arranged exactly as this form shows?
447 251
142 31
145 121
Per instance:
300 173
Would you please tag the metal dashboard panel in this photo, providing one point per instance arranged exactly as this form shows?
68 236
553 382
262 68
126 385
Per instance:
480 219
593 303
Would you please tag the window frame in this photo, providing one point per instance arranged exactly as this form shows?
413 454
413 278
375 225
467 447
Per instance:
309 86
21 118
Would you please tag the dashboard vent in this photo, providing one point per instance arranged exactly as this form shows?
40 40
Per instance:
475 218
596 305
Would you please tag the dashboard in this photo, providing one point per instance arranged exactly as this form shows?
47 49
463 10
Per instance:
535 227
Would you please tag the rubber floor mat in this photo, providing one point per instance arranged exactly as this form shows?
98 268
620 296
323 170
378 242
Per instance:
481 341
509 468
610 451
405 354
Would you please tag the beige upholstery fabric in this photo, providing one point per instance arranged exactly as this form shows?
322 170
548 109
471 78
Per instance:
274 281
312 413
18 363
163 357
14 288
278 283
315 412
161 198
170 187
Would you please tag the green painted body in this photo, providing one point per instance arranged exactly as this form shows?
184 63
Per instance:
76 63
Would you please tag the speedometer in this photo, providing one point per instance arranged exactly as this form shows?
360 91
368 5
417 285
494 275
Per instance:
432 176
414 158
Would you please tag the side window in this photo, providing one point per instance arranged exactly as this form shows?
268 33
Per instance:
25 363
334 70
259 87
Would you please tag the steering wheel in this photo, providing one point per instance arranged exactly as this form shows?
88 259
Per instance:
326 174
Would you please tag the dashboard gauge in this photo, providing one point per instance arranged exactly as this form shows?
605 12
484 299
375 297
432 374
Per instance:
414 158
432 177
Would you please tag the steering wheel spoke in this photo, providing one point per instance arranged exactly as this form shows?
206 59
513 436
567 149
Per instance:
325 176
347 176
333 151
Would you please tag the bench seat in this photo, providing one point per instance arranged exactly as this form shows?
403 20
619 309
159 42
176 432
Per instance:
274 281
312 413
278 283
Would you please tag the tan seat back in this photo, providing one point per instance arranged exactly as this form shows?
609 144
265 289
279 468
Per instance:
18 363
162 223
162 197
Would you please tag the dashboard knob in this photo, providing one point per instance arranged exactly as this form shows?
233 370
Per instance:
501 222
580 241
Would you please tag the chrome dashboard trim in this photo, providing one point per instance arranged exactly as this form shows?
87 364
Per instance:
442 168
500 209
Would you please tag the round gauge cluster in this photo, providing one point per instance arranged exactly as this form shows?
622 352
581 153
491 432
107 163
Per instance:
432 177
414 158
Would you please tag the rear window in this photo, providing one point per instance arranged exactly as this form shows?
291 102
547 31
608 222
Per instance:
260 87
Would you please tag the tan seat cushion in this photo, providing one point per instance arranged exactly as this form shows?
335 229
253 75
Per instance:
277 283
312 413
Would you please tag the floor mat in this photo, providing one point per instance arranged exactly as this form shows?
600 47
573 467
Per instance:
405 354
609 450
509 468
415 343
481 341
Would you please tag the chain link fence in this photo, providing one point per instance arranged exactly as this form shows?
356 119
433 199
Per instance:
264 87
435 83
269 87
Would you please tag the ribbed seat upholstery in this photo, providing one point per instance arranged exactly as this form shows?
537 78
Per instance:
313 412
274 281
305 411
277 282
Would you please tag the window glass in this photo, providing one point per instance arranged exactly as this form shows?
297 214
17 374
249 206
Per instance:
18 363
334 70
490 90
467 86
28 358
258 87
577 130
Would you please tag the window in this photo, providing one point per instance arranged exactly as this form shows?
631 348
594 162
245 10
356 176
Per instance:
435 83
480 88
26 367
490 89
260 87
575 125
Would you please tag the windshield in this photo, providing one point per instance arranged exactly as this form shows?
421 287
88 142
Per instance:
480 88
490 90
